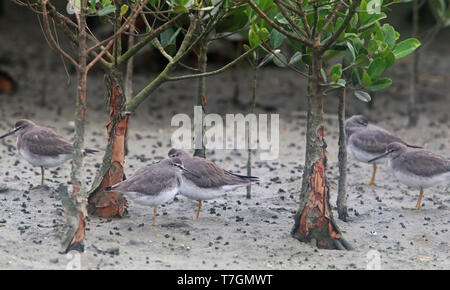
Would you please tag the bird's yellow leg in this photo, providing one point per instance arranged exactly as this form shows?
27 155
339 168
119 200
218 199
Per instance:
42 175
199 207
42 179
419 201
154 215
372 180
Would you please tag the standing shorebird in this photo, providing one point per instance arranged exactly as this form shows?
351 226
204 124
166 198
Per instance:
154 184
42 146
211 182
366 141
416 167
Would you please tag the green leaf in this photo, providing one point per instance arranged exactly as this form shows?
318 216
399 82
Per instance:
405 47
179 9
92 4
107 10
389 35
389 58
276 38
380 84
123 9
438 8
253 38
198 3
363 96
362 7
264 4
276 59
336 72
281 19
339 22
366 80
168 37
324 75
354 20
330 53
350 35
155 3
366 33
266 59
296 57
173 37
235 20
373 46
376 68
181 2
356 75
379 34
351 49
362 60
263 33
340 83
372 19
165 36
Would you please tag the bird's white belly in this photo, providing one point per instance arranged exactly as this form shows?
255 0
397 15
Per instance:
417 181
152 200
44 161
192 191
361 155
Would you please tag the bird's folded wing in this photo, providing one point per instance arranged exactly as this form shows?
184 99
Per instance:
424 163
149 181
374 141
210 175
46 142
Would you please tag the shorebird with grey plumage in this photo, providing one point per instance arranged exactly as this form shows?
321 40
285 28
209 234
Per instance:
366 141
42 146
416 168
154 184
211 180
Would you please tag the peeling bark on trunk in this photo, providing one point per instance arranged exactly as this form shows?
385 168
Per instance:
110 204
341 202
79 196
129 74
71 229
117 128
314 221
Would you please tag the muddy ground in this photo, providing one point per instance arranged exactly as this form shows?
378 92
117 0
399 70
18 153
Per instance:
232 232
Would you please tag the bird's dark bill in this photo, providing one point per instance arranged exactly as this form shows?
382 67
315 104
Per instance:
184 169
379 157
190 172
10 132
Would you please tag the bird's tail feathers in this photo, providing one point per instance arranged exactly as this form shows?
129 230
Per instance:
90 151
414 146
251 178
